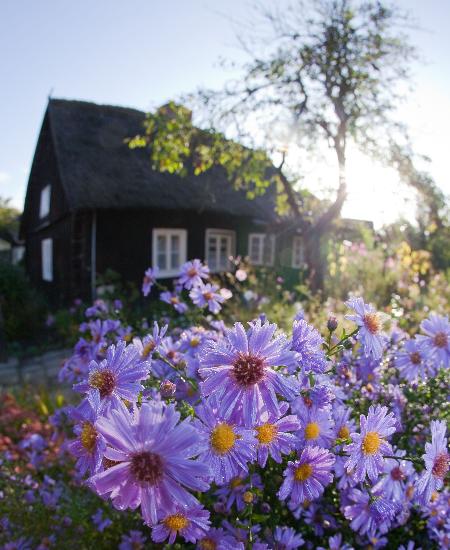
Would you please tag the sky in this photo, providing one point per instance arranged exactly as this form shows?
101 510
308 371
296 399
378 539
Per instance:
140 53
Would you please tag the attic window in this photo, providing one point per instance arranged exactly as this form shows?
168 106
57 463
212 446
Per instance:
169 251
47 259
298 253
261 248
44 207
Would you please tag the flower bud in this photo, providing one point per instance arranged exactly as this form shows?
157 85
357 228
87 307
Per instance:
167 389
332 323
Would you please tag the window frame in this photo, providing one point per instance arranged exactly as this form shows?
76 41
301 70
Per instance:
231 239
47 259
301 261
263 238
169 232
44 203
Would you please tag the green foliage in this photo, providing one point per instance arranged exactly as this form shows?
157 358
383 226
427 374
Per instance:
22 307
9 216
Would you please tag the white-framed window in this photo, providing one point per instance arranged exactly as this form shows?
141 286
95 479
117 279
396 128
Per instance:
44 206
298 252
47 259
261 248
169 251
219 246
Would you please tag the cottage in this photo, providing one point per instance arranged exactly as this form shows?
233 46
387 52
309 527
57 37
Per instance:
93 204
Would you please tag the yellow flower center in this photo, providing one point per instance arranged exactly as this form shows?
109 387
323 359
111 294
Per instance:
235 482
208 544
371 443
372 322
195 342
223 438
266 433
303 472
104 380
312 430
148 349
174 300
88 436
176 522
344 433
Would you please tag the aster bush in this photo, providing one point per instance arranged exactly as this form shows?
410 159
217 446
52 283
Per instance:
200 430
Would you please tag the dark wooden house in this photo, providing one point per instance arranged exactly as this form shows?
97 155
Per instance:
93 204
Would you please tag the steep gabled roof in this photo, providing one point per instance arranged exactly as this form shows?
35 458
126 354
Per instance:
98 170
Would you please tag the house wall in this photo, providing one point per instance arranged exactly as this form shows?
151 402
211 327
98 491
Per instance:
124 238
56 225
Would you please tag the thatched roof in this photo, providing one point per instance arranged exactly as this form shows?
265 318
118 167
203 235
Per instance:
98 170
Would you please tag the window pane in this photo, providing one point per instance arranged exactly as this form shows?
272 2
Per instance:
161 256
223 252
175 251
211 252
255 249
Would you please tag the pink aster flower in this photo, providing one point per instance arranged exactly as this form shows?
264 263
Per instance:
306 478
370 324
240 370
206 295
192 274
153 454
191 523
437 460
367 449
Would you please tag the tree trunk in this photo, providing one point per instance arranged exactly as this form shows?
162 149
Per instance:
314 235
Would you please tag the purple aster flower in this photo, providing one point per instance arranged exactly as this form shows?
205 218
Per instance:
437 460
116 377
287 539
18 544
153 455
192 274
100 522
218 539
239 370
273 437
228 447
367 449
307 342
368 369
364 517
191 523
207 295
344 424
89 447
436 340
174 300
149 280
316 425
335 543
135 540
370 324
412 362
411 545
398 472
233 492
150 343
306 478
